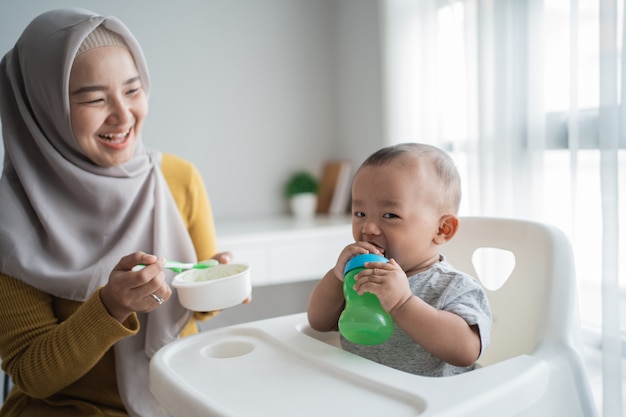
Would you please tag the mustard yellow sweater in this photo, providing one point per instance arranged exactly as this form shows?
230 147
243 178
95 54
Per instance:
59 352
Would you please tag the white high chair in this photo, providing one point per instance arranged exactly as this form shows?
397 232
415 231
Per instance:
281 367
536 310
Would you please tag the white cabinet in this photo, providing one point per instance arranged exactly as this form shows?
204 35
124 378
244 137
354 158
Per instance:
283 249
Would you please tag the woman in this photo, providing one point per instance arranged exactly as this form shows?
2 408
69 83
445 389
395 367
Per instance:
82 201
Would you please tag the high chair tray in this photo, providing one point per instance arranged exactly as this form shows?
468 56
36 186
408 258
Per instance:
280 367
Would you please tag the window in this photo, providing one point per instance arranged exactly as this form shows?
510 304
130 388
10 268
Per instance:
570 191
513 91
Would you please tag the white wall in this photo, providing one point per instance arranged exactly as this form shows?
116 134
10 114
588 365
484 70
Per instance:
249 90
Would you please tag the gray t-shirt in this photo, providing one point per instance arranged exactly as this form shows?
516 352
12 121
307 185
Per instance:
445 288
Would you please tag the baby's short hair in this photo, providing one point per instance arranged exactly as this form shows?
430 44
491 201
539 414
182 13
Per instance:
442 163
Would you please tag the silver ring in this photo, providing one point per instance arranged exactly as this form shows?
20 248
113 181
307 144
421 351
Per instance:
157 298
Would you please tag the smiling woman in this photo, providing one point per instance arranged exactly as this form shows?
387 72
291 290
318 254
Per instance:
73 121
106 118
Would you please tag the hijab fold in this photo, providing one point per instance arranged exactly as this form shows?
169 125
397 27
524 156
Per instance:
66 222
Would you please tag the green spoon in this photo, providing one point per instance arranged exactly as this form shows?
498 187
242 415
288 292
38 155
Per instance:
182 266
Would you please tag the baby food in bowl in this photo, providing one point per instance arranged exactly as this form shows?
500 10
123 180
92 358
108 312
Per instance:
215 288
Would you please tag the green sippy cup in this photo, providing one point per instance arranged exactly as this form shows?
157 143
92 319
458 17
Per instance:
363 320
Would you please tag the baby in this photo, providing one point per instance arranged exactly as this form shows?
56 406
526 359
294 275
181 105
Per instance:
405 200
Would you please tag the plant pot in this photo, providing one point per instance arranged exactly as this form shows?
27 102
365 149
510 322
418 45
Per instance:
303 205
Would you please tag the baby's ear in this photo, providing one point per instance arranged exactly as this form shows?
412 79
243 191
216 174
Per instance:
448 225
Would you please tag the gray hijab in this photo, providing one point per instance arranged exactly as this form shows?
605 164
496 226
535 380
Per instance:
66 222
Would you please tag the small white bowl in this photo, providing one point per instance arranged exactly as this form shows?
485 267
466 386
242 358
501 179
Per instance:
215 288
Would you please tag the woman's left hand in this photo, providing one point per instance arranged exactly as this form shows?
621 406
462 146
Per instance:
223 257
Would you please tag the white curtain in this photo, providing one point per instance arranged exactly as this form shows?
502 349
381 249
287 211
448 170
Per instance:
527 97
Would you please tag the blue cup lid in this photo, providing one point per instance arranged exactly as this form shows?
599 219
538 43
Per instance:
359 260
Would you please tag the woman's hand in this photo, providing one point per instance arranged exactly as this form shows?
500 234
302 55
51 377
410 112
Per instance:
223 257
135 291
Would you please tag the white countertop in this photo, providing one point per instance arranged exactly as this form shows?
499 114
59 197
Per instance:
283 249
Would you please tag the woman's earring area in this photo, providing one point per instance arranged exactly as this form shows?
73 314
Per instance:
157 298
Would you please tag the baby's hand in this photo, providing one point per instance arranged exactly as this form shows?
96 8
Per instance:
387 281
350 252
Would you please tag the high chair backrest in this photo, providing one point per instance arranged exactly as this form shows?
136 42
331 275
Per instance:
537 303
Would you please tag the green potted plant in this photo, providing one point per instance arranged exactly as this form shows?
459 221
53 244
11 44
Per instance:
301 192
